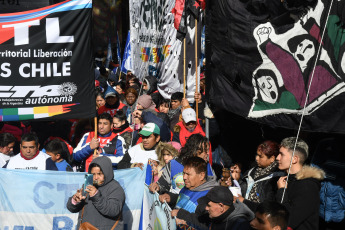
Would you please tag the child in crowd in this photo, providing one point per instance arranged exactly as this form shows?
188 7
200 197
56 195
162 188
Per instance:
58 154
164 106
166 152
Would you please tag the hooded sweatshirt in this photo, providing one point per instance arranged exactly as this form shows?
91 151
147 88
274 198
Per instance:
188 198
105 207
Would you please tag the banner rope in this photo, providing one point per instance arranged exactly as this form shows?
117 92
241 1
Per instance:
306 99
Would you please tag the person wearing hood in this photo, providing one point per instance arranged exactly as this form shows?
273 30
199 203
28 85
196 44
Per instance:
217 210
112 102
103 204
196 184
150 85
302 194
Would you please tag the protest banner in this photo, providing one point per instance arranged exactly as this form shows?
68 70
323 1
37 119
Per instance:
33 199
46 62
156 50
155 214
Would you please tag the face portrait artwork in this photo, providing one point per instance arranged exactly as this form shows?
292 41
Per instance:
303 50
267 85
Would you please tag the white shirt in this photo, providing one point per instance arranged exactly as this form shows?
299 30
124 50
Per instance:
3 159
139 155
37 163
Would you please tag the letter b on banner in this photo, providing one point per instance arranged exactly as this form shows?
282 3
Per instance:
62 223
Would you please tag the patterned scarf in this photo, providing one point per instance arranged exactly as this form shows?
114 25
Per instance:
253 194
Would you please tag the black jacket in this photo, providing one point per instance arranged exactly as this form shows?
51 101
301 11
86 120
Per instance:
267 186
237 217
302 198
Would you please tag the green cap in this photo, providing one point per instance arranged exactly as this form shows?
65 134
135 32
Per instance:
150 128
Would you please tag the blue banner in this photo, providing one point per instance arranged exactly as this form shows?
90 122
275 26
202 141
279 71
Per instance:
127 59
155 214
37 199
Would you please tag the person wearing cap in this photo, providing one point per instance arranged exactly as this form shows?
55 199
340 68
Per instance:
112 102
139 154
187 127
217 210
145 102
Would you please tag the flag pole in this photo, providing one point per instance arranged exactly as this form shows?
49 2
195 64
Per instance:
96 125
196 68
184 67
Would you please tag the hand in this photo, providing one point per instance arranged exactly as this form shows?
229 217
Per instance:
281 182
197 97
235 172
154 187
91 190
179 221
174 212
185 103
94 143
228 181
97 154
264 33
165 197
239 197
137 113
140 165
78 196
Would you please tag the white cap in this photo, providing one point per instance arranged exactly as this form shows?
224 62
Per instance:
188 115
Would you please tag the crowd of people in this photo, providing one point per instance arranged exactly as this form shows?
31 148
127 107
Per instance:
137 126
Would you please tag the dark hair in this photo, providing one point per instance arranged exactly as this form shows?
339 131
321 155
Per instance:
6 139
197 163
269 148
103 71
56 146
106 116
177 96
295 41
92 165
164 101
194 143
120 115
122 85
30 137
279 215
99 93
266 72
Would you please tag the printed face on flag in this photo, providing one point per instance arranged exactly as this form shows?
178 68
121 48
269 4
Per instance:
268 89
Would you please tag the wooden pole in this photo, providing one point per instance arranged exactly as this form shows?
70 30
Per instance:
184 68
196 68
96 136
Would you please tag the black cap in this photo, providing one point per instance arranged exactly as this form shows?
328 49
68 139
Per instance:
218 194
